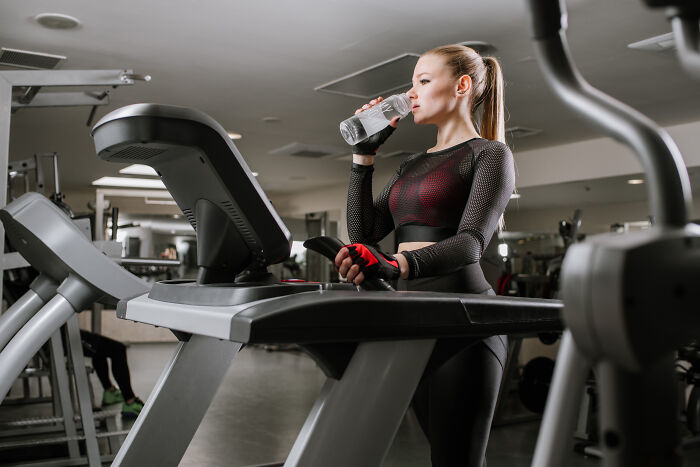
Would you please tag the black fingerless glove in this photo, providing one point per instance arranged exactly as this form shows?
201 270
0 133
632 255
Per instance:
373 262
368 147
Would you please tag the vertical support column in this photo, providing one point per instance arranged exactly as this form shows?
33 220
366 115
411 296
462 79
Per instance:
99 215
99 234
60 393
164 428
354 419
557 428
5 109
96 318
82 390
639 415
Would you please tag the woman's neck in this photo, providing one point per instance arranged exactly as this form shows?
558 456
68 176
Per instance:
454 132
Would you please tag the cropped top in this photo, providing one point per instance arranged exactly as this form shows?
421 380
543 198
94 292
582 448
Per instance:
454 197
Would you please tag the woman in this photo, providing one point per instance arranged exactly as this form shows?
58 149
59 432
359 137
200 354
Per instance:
445 204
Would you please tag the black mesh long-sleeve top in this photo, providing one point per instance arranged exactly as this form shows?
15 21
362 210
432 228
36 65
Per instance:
464 188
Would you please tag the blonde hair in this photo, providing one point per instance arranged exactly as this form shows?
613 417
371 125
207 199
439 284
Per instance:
487 86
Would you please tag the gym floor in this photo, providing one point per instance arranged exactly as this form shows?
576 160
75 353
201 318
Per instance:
264 400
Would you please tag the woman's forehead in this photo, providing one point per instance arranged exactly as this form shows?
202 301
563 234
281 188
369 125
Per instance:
430 64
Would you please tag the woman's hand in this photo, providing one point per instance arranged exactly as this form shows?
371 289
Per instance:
349 271
369 146
353 260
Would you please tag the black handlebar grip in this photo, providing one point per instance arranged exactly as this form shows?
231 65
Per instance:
547 17
329 247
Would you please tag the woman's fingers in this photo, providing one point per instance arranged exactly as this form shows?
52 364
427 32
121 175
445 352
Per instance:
394 122
353 272
342 254
359 278
343 264
371 103
345 267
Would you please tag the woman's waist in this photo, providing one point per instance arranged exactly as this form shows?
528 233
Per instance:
467 279
414 233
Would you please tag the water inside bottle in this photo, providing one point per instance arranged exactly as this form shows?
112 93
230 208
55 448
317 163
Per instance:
372 120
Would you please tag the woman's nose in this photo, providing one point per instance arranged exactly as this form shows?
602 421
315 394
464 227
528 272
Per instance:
411 93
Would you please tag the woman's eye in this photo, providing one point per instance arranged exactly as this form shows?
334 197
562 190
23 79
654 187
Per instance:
424 81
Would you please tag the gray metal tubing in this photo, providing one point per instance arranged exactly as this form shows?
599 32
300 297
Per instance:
82 389
555 439
29 340
355 419
668 182
177 404
687 36
638 423
61 393
17 316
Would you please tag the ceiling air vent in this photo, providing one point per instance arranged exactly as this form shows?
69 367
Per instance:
521 132
662 43
380 79
26 59
309 151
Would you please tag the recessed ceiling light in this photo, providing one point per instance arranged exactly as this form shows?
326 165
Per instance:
233 135
635 181
139 169
57 21
255 174
129 182
515 196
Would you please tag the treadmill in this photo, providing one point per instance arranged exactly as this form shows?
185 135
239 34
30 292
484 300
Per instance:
373 345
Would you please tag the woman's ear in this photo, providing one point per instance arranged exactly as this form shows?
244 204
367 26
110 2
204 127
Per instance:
464 85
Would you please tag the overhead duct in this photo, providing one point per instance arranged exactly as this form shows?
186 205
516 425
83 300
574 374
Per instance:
309 151
27 59
380 79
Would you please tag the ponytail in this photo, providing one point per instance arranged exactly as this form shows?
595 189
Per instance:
492 124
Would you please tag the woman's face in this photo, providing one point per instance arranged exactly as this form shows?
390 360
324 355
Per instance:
434 91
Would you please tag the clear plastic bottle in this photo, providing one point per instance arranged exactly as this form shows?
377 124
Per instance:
374 119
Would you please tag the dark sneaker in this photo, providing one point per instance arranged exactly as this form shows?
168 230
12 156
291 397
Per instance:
132 410
112 397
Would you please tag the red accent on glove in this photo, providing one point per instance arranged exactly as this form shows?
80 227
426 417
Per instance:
374 261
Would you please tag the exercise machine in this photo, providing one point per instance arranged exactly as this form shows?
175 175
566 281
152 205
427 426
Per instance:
372 345
73 275
630 300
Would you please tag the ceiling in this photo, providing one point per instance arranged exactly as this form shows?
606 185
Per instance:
241 62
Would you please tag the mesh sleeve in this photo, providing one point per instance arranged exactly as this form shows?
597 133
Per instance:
368 221
492 185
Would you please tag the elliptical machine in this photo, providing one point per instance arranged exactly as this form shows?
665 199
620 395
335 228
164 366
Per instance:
630 299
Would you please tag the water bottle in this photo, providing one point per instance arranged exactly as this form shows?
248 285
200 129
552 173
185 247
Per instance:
370 121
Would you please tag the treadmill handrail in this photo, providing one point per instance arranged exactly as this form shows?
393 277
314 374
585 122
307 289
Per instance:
668 182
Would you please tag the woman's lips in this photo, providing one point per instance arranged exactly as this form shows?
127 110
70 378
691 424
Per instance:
414 108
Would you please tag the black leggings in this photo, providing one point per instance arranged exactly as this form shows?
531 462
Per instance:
456 397
99 349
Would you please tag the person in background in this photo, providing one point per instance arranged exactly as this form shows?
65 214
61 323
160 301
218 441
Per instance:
99 349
